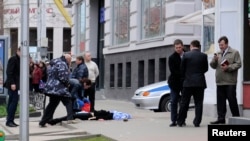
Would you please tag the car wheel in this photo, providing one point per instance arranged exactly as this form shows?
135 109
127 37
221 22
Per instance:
165 105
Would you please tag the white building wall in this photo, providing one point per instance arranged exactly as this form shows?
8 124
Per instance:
58 43
174 10
54 19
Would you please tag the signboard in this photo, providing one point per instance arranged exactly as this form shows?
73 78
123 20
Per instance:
2 46
4 42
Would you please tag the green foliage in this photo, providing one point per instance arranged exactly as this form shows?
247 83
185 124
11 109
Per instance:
3 112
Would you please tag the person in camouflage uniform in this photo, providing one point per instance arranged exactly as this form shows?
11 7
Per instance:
57 88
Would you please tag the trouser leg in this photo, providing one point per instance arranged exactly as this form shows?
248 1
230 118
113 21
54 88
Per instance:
232 100
221 102
67 102
175 96
198 101
184 106
12 105
50 109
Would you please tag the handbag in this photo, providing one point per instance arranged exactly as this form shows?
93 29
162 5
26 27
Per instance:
41 85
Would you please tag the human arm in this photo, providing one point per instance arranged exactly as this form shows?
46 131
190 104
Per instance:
235 64
96 70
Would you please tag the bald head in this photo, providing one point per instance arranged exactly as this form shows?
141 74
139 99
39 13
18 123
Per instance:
87 56
68 58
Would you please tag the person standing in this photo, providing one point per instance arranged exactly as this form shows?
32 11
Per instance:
12 83
93 72
31 68
36 77
57 88
174 79
79 72
226 79
194 65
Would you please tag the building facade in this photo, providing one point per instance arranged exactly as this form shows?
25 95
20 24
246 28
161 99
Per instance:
58 29
131 39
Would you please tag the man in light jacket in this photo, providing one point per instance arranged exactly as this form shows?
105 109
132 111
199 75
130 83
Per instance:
226 79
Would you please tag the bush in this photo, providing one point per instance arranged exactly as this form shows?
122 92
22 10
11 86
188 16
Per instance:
3 112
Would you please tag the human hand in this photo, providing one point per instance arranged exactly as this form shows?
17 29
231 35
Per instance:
13 87
216 57
224 67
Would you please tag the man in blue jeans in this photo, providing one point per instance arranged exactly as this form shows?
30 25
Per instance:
12 83
174 80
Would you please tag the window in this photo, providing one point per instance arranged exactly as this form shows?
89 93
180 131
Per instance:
208 33
141 74
119 75
151 71
208 4
66 40
49 33
121 21
162 69
128 74
112 76
33 37
153 15
13 40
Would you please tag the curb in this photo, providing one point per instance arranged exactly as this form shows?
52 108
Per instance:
33 114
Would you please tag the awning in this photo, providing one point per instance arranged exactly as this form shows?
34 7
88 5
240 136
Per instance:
195 18
190 19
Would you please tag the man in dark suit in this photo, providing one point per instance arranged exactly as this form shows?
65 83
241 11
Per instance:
12 83
174 79
194 65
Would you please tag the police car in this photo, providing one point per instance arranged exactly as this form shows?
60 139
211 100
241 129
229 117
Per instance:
154 97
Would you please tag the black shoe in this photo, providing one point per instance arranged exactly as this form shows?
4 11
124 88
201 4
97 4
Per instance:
181 124
173 124
10 124
218 122
42 125
196 125
52 122
15 124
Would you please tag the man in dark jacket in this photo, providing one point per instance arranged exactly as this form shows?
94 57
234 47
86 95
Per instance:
174 80
57 88
194 65
79 73
12 83
81 70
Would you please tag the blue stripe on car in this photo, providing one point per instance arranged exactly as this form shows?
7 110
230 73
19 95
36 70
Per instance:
162 88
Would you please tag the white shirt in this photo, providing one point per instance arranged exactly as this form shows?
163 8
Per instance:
92 70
